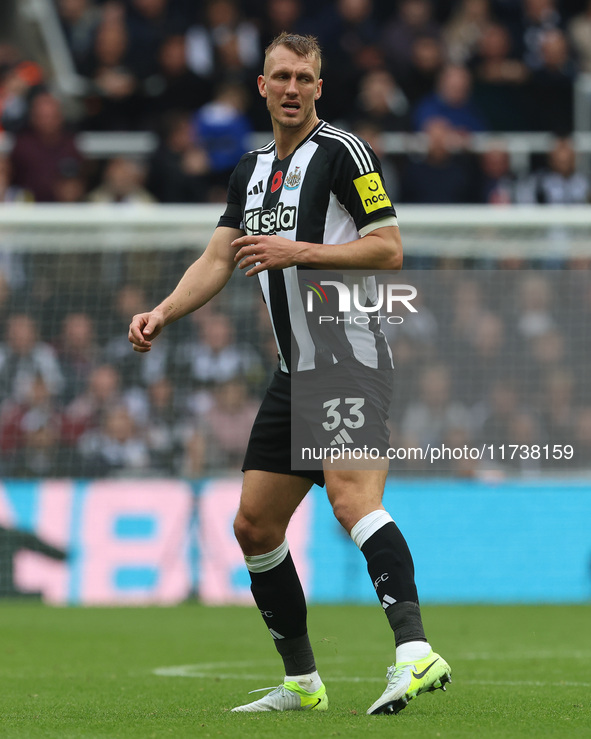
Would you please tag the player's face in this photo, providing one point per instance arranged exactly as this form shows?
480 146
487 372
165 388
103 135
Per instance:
291 87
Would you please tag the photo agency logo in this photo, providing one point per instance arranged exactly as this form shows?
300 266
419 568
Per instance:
360 302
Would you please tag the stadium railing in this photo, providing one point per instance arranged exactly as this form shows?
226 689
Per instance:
467 231
520 146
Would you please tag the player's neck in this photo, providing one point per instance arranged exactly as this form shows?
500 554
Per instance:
288 139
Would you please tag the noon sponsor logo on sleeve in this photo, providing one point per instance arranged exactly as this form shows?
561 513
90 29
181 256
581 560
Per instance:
371 191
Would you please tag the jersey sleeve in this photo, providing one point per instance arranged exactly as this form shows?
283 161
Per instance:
232 217
358 183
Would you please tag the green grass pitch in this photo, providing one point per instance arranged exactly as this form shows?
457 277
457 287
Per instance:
173 672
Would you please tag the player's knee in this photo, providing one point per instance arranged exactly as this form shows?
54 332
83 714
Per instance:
252 536
244 531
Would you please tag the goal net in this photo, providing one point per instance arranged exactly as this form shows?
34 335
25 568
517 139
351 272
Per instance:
495 359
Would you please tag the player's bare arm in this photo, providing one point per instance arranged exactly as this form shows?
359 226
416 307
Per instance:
380 250
202 280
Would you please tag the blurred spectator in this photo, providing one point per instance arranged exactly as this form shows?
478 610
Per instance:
174 87
348 34
468 309
463 30
283 15
434 414
539 17
179 168
561 184
485 359
193 462
78 352
381 102
498 181
116 448
30 434
23 359
10 193
19 79
499 185
444 174
227 424
44 150
427 61
122 182
224 43
87 411
422 326
408 353
414 19
149 22
115 102
544 354
134 369
215 358
452 101
534 296
79 20
499 80
257 332
558 408
494 60
164 427
524 429
70 185
552 80
493 417
456 438
579 33
222 128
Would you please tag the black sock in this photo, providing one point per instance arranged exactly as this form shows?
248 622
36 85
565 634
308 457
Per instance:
390 566
279 596
406 622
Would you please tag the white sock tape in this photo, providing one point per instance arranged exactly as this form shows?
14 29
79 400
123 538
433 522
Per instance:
368 525
264 562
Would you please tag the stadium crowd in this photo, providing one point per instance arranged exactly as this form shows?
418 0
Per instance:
186 71
492 357
74 398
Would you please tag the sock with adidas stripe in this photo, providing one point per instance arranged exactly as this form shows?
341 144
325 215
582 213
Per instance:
390 566
278 593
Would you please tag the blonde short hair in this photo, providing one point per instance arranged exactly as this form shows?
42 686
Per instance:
304 46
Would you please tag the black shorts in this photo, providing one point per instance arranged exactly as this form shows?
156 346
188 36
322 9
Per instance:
345 405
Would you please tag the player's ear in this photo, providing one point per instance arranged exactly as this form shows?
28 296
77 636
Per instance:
262 85
318 90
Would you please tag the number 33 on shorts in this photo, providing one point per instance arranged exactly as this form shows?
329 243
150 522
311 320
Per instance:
353 417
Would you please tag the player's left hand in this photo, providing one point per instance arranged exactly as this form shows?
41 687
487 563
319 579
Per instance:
257 253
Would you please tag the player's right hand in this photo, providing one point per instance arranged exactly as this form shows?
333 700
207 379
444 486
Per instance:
143 329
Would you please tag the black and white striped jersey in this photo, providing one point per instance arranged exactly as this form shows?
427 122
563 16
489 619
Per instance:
327 191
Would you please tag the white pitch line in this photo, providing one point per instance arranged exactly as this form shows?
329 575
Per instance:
532 683
208 671
518 656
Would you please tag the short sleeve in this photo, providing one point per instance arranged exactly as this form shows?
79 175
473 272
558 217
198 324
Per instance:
232 216
358 182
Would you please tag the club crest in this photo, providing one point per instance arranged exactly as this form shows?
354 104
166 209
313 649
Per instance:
292 181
